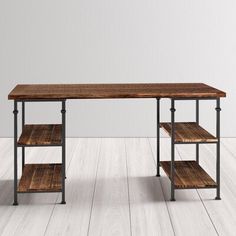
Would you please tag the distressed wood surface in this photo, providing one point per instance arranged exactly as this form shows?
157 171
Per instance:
189 132
132 90
188 174
41 135
40 178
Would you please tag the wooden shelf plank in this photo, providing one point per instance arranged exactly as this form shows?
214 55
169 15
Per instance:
189 132
40 178
33 135
132 90
189 174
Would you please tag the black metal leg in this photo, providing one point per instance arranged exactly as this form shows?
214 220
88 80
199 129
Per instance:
23 124
197 121
23 158
15 112
63 111
158 137
218 109
172 149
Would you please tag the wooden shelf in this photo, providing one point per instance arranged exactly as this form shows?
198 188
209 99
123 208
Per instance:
189 174
40 178
189 132
102 91
41 135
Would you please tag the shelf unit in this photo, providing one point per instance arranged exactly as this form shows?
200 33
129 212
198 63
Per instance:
38 178
47 177
188 174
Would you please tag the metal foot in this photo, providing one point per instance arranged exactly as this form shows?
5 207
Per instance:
158 175
63 202
217 198
172 200
15 204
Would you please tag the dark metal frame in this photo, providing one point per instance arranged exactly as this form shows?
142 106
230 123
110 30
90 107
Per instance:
16 145
218 110
63 112
197 121
172 149
173 143
23 124
15 112
158 137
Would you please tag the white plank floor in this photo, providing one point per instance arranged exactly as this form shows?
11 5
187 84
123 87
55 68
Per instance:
111 189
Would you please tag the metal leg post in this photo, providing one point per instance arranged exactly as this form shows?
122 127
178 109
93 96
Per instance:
15 112
63 112
23 124
218 109
172 149
158 137
197 121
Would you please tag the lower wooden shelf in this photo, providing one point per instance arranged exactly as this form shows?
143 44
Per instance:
40 178
188 174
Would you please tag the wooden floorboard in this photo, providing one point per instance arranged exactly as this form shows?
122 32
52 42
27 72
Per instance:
110 211
24 221
127 197
31 217
6 183
222 213
230 145
73 218
188 214
149 215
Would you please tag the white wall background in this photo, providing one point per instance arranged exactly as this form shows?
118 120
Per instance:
122 41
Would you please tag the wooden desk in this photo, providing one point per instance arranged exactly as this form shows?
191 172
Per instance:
51 177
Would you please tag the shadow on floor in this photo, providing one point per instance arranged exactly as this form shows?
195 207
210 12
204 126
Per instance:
6 192
108 191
